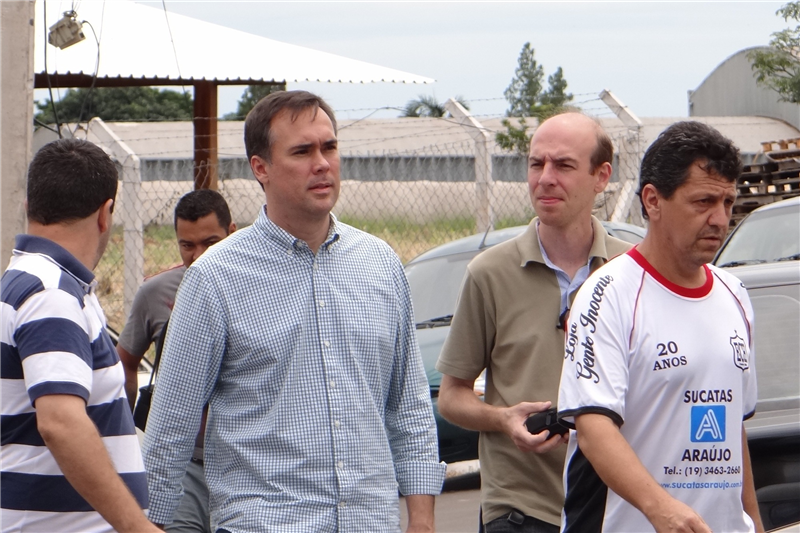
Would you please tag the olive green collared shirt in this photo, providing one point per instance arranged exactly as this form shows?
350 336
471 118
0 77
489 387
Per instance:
505 321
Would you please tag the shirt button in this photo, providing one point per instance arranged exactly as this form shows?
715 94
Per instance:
333 384
316 266
340 464
337 423
321 303
342 504
327 344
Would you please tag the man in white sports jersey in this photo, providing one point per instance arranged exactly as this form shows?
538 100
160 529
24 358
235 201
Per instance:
659 366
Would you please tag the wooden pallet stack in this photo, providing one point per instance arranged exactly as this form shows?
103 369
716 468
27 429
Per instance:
772 176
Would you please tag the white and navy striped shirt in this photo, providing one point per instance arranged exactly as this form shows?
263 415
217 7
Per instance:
319 409
54 342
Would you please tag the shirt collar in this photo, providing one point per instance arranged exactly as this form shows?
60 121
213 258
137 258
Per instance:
33 244
286 240
547 261
530 249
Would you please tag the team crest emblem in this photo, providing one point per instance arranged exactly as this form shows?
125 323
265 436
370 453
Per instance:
740 355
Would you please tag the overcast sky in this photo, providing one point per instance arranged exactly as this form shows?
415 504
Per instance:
648 54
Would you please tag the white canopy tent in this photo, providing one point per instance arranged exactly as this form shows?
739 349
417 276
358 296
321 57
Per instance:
142 45
136 42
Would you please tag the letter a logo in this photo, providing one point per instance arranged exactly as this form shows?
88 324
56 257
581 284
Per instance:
708 423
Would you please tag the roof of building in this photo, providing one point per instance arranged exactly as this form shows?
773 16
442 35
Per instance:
136 41
421 136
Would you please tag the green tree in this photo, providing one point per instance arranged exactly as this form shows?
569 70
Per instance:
778 67
429 106
250 97
527 98
117 104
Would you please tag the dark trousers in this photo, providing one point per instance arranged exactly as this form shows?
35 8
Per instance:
516 522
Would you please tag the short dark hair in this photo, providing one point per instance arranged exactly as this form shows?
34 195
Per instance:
257 139
68 180
200 203
667 161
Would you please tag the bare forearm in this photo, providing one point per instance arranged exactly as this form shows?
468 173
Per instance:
73 440
749 500
604 446
459 404
420 513
130 363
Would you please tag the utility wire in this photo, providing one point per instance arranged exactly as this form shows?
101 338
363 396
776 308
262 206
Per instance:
172 40
47 72
96 70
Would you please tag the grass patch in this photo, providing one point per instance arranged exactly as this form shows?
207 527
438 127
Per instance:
160 253
408 240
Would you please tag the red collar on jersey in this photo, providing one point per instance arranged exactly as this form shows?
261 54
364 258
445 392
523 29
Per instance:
698 292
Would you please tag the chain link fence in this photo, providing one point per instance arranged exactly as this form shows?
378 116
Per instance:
409 181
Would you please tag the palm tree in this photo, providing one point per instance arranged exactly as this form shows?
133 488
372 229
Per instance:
429 106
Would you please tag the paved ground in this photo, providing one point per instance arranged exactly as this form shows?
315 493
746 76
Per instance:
457 507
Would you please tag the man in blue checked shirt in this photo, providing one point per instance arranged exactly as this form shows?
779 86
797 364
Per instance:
298 332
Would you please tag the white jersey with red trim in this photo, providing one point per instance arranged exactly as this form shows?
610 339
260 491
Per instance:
674 368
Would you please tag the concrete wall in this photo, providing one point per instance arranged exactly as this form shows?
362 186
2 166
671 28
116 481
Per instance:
16 117
731 90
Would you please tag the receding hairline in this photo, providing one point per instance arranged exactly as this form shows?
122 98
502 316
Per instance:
573 116
293 115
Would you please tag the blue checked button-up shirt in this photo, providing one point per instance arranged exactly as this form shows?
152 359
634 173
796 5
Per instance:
319 406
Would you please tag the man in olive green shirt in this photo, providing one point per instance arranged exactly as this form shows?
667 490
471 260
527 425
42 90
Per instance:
509 321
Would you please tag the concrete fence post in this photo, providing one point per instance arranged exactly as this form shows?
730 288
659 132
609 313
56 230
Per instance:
130 211
629 159
484 197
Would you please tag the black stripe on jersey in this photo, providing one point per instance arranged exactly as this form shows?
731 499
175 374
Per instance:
52 334
613 415
10 363
585 503
33 492
18 286
70 285
111 420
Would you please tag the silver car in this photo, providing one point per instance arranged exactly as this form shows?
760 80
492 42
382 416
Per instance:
763 251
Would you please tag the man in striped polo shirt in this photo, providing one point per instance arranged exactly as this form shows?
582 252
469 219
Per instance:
70 456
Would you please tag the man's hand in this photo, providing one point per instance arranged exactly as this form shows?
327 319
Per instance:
514 426
674 516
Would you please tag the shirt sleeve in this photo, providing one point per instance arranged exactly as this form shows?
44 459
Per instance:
53 345
410 425
189 367
594 378
472 332
749 386
138 333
